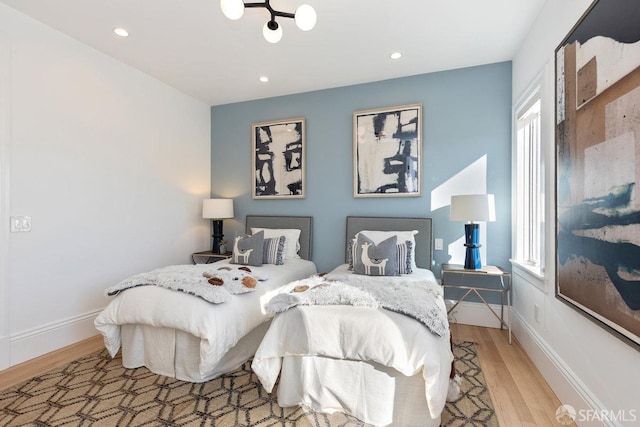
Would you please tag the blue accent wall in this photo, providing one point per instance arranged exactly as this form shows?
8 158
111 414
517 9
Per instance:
466 116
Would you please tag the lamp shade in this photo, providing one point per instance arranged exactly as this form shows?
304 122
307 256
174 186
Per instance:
473 207
217 208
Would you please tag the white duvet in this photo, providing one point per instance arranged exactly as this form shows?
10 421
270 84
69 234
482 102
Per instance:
219 326
360 333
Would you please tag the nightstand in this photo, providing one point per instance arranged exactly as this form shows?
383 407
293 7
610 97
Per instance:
207 257
469 281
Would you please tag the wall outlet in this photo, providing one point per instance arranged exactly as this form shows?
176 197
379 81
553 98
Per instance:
438 244
536 313
20 224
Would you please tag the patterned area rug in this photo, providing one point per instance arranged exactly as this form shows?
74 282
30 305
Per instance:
474 407
97 391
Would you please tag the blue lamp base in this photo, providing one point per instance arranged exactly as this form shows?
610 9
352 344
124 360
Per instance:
472 239
217 235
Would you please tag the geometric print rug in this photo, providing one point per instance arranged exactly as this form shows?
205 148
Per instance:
97 391
474 406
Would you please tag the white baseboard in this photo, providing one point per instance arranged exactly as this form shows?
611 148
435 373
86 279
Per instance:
5 351
476 313
565 384
36 342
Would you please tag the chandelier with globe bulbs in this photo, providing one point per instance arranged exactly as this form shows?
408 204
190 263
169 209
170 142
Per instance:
305 17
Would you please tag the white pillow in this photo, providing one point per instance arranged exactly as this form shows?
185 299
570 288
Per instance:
378 236
292 244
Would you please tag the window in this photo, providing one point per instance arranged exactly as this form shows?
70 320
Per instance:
529 184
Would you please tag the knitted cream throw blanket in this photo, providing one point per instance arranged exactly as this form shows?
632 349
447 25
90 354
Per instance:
188 279
414 298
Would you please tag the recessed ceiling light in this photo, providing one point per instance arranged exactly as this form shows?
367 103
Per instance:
395 55
264 79
121 32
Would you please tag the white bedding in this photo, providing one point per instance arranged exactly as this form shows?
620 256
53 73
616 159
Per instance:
358 334
217 326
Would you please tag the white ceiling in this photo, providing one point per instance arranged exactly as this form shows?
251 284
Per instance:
190 45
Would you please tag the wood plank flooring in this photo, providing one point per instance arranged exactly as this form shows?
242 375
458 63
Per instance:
49 361
520 395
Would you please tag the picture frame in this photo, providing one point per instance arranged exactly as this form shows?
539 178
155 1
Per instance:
278 159
387 152
597 131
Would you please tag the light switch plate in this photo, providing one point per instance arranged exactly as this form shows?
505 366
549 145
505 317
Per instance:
20 224
438 244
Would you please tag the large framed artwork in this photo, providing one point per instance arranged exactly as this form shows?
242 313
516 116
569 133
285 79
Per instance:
278 162
387 152
597 131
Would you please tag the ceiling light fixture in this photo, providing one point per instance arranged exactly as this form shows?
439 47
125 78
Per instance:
121 32
264 79
395 55
305 17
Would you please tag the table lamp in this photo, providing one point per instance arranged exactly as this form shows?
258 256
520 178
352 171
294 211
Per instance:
472 208
217 210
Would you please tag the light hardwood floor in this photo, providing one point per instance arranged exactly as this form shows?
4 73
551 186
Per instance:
520 395
49 361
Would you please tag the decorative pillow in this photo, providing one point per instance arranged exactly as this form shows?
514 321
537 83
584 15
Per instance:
378 236
292 245
248 250
273 250
375 259
405 251
351 248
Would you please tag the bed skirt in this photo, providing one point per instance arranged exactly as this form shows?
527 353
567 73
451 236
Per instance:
371 392
155 348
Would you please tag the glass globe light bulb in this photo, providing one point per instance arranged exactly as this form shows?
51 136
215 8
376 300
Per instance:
232 9
272 36
305 17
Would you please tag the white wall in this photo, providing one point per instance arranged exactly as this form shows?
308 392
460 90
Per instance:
586 366
110 164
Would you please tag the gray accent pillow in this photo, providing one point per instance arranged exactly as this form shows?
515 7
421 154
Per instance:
248 250
375 260
404 256
273 252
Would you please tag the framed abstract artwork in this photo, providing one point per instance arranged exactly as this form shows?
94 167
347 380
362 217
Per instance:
278 160
387 152
597 131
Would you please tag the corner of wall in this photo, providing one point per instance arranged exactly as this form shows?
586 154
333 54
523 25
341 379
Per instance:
5 123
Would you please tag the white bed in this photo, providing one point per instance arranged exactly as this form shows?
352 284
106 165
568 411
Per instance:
183 336
380 366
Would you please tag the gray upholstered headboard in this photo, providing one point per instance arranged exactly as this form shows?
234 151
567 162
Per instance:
424 251
303 223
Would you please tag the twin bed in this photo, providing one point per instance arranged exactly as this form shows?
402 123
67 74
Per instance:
384 359
178 335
